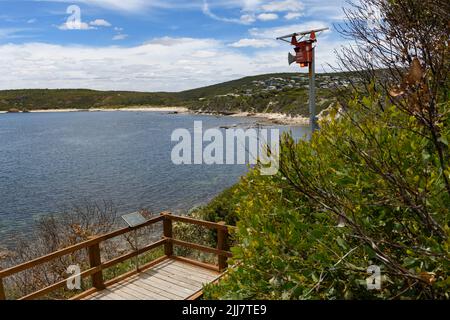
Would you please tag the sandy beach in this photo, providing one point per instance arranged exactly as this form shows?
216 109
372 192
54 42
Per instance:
276 118
131 109
263 118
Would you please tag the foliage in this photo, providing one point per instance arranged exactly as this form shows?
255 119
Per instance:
225 97
371 188
44 99
221 209
376 175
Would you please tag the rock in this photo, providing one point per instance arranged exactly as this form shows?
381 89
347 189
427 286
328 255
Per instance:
226 113
13 110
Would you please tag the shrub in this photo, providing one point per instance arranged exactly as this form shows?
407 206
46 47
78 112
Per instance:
373 172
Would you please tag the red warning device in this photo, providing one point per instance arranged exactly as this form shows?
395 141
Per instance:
304 56
304 50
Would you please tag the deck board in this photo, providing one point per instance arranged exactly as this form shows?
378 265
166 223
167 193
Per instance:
168 280
171 282
195 277
164 282
199 270
188 280
160 290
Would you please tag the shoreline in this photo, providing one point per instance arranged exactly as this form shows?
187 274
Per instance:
276 118
261 118
128 109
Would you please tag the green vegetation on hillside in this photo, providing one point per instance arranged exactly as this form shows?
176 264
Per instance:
44 99
285 93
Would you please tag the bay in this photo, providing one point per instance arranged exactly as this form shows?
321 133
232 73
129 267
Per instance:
53 160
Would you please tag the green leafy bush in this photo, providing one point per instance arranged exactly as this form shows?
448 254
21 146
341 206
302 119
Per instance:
373 171
371 188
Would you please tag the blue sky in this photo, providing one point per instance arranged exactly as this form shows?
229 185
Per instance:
153 45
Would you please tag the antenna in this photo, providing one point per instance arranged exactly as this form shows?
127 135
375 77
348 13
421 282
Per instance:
305 57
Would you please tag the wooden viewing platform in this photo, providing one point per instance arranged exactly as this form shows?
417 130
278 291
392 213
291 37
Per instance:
169 277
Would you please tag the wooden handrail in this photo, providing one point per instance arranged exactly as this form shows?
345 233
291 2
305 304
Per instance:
222 245
94 270
96 265
95 260
167 233
2 290
203 223
82 245
200 247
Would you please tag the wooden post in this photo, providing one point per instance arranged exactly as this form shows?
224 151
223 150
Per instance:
94 261
167 226
2 290
222 244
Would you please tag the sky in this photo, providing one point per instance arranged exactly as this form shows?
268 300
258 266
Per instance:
155 45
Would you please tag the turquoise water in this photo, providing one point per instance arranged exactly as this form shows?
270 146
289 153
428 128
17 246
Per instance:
52 160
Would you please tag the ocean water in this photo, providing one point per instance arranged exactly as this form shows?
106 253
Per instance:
53 160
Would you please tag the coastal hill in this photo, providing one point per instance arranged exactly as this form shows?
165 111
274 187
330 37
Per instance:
285 93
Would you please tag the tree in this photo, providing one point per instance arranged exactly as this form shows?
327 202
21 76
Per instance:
371 188
401 50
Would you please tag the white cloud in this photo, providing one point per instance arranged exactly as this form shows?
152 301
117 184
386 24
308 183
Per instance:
75 25
273 33
100 23
250 5
154 66
267 16
244 19
283 6
79 25
119 5
119 37
254 43
247 19
292 15
11 33
262 10
30 21
204 54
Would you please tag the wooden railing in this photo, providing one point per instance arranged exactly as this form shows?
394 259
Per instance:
95 259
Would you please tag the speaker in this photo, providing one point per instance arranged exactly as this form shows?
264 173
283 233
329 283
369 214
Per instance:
291 58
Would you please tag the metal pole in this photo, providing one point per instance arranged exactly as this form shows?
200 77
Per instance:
312 92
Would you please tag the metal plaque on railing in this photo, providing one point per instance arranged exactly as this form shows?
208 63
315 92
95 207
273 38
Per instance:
134 219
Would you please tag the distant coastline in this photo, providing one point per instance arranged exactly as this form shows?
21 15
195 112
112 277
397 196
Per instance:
265 118
125 109
280 99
